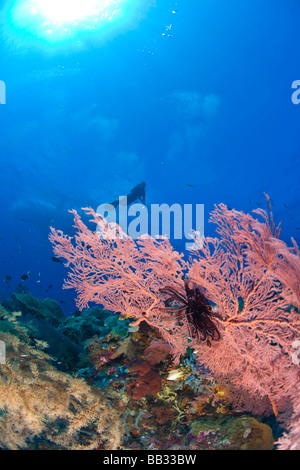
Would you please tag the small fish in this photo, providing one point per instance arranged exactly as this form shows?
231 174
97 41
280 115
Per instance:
56 260
50 285
175 374
25 276
250 202
285 205
297 228
190 185
8 278
293 218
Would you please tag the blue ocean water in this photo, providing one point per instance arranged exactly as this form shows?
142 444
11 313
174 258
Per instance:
192 97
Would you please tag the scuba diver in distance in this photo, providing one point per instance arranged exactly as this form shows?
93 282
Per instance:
138 193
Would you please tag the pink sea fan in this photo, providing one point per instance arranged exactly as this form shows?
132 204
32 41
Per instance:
285 266
110 268
291 439
264 249
253 357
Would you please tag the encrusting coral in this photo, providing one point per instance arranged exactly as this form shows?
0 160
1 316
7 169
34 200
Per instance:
40 404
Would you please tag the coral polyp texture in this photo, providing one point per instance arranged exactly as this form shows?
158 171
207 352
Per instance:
40 403
249 277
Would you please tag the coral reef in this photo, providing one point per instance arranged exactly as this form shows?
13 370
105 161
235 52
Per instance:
42 407
36 316
46 309
147 381
148 404
247 276
226 432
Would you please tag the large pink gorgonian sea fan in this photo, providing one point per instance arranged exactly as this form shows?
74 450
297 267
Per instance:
266 250
247 330
291 439
124 276
253 358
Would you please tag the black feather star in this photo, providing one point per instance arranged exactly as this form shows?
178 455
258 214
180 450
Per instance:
193 305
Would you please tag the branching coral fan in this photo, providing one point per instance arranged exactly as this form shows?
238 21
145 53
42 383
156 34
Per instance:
247 274
253 358
291 440
124 276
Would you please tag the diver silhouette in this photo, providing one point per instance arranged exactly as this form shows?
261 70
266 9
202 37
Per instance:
138 193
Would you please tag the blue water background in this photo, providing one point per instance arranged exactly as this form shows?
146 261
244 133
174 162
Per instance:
194 99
